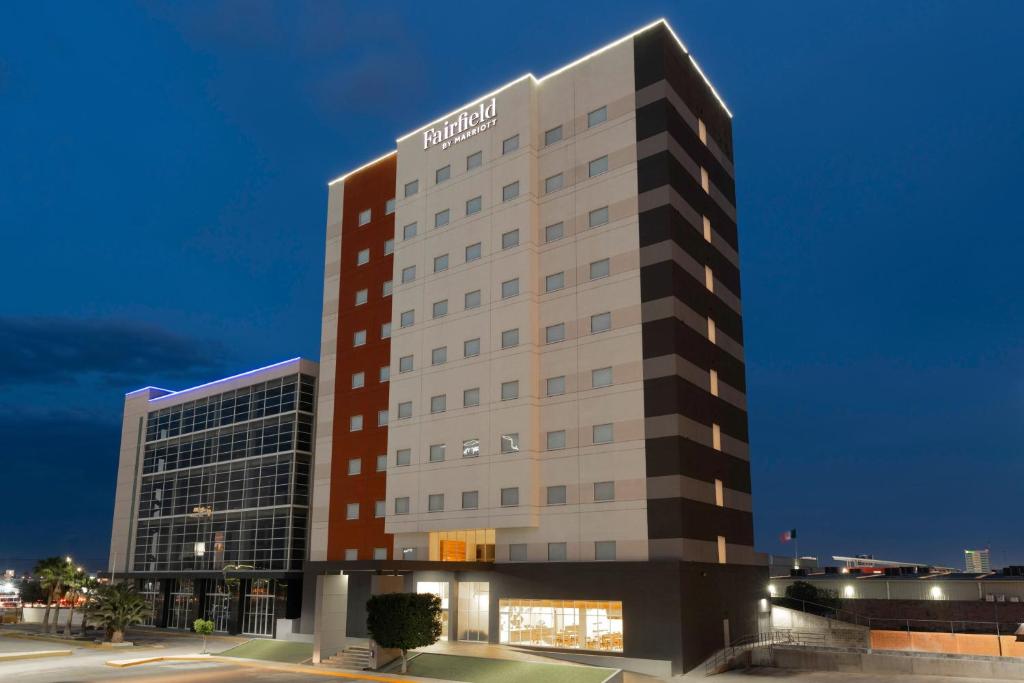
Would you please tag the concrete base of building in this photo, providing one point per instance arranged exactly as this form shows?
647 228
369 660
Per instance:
898 663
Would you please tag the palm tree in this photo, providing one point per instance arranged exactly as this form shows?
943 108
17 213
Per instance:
74 580
117 607
51 577
89 587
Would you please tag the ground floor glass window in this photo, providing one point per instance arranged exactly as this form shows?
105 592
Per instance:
440 589
565 624
474 610
182 599
259 608
217 604
151 593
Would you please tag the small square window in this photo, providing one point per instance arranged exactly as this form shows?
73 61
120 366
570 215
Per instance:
389 207
601 322
510 191
597 116
552 136
509 390
510 443
554 232
380 553
598 217
472 299
556 440
510 338
412 187
382 463
387 288
359 338
603 433
604 550
470 448
408 274
358 380
355 466
389 247
554 282
385 374
402 506
441 218
440 263
407 319
470 500
351 554
438 404
598 166
471 397
473 252
404 410
600 269
510 239
403 457
385 331
362 257
510 497
556 495
602 377
474 160
604 491
554 183
470 348
352 511
405 364
361 297
474 205
510 144
517 552
510 288
364 217
557 552
382 418
439 355
556 385
440 308
442 174
554 333
437 452
409 231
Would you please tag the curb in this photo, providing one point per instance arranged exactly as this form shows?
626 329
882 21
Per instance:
259 664
39 654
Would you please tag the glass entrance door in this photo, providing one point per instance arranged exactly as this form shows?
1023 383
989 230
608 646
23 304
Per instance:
217 601
259 609
440 589
474 610
182 600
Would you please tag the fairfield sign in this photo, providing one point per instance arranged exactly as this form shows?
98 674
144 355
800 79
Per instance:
465 125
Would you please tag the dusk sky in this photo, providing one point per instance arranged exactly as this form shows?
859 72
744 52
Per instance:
163 191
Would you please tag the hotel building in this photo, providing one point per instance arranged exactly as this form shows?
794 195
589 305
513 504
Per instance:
532 395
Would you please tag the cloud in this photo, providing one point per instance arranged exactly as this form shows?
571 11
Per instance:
65 350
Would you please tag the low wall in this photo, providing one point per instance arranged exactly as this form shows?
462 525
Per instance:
948 643
836 633
34 615
896 663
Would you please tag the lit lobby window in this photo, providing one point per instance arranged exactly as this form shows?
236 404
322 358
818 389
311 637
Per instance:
565 624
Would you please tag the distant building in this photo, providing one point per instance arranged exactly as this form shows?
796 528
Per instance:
977 561
8 573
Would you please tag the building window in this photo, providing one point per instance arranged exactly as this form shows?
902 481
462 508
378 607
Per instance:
440 308
407 318
351 554
509 443
721 550
604 550
602 377
402 505
438 404
702 131
552 136
716 437
598 166
441 218
403 457
712 335
359 338
404 410
556 440
412 187
554 333
442 174
705 183
362 257
557 552
556 495
470 348
594 624
472 300
385 331
385 374
510 239
474 205
471 397
380 553
555 385
409 231
440 263
382 418
598 217
358 379
473 252
713 382
352 511
601 322
439 355
470 500
510 497
554 183
386 288
405 364
554 282
509 390
364 217
709 279
437 452
597 116
389 207
382 464
361 297
554 232
470 448
510 338
408 274
509 145
604 491
719 493
600 269
389 246
603 433
474 160
707 228
510 191
517 552
510 288
355 466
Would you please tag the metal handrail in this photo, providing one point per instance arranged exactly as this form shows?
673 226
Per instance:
763 639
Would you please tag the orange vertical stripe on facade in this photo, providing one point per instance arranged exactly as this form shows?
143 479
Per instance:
369 188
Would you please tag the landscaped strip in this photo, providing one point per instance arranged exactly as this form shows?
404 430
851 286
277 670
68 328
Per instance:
483 670
272 651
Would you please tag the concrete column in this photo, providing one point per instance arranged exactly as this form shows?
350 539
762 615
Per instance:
329 632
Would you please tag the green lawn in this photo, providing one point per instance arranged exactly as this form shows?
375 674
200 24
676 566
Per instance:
480 670
272 651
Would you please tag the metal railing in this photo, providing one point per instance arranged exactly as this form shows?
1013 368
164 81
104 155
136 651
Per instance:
718 661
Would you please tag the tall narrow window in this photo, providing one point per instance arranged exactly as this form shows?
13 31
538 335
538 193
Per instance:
719 493
711 331
389 207
705 183
721 550
702 131
709 279
713 381
716 437
707 227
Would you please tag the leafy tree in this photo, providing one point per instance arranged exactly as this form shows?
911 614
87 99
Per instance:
31 592
203 627
404 621
116 608
810 598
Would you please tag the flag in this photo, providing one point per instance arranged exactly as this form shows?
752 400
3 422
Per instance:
787 536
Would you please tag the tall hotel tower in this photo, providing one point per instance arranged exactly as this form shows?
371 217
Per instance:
532 395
